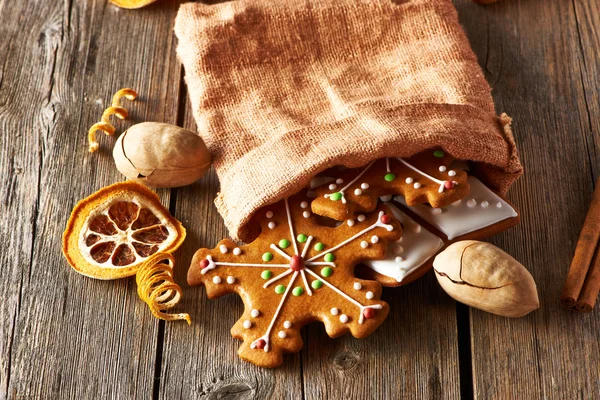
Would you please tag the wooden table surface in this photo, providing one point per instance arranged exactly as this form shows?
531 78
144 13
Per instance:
66 336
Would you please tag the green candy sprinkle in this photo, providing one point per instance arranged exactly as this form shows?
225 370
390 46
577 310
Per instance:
284 243
316 284
319 246
267 257
302 238
335 196
327 272
438 153
266 274
279 289
329 257
389 177
297 291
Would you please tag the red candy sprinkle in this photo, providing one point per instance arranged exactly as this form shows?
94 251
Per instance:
386 219
204 263
448 184
261 343
296 263
368 313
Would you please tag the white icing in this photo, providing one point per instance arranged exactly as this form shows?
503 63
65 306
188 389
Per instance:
498 205
320 181
230 279
343 318
369 295
361 218
451 173
269 214
237 251
364 244
350 222
484 204
357 192
471 203
304 204
334 311
364 186
418 246
442 168
417 185
456 203
306 214
339 181
272 225
357 285
216 280
282 334
436 211
223 249
409 180
254 313
462 219
333 186
247 324
287 324
374 239
431 178
343 190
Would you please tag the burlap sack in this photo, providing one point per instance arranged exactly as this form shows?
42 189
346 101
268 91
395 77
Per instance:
282 90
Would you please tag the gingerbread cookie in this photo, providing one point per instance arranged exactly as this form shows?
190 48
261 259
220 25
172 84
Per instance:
424 178
480 215
296 272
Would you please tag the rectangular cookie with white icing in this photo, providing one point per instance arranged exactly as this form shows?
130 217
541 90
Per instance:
429 230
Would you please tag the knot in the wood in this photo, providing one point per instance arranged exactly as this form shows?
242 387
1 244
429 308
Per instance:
345 360
234 390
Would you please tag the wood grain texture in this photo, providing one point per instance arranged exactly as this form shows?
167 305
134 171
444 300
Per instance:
69 336
66 336
542 60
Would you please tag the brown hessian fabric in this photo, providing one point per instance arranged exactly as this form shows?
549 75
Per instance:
282 90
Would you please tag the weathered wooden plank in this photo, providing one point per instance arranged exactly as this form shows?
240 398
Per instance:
201 360
541 58
70 336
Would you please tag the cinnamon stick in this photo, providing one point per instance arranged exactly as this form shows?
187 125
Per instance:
584 253
591 287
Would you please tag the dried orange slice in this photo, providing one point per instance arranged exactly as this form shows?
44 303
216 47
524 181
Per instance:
113 231
131 3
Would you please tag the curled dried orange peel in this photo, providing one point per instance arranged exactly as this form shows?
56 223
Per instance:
157 287
114 109
131 3
111 233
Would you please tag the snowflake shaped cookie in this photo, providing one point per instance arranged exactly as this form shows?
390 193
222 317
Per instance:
424 178
297 272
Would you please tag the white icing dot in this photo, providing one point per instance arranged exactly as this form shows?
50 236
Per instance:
339 181
254 313
269 214
272 225
417 229
409 180
369 295
237 251
247 324
364 244
223 248
230 279
451 173
387 198
484 204
399 240
343 318
361 218
499 205
287 324
417 185
357 192
282 334
350 222
306 214
304 204
442 168
333 186
374 239
436 211
471 203
216 280
457 203
357 285
399 259
364 186
334 311
398 249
